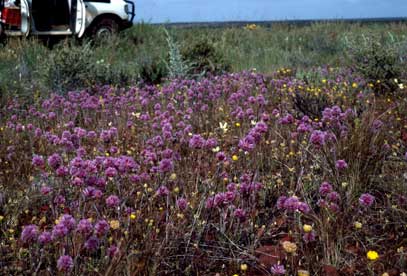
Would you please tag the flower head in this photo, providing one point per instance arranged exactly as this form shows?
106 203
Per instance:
112 201
372 255
307 228
182 203
278 269
30 233
366 200
341 164
289 247
45 238
114 224
325 188
84 227
92 243
65 263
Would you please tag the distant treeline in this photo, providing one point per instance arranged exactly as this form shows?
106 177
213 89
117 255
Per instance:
270 23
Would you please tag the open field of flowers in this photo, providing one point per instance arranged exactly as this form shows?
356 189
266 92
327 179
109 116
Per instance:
237 174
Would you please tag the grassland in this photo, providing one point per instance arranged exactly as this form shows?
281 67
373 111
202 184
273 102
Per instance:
164 152
141 53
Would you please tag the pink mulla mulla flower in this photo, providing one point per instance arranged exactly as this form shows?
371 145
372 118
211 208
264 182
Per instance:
278 269
288 119
29 233
240 214
333 196
62 171
77 181
231 187
325 188
65 263
196 142
182 204
45 237
309 237
211 143
88 191
68 221
45 190
84 227
366 200
261 127
377 125
221 156
162 191
280 202
59 200
110 172
54 161
210 202
37 132
291 203
59 231
112 251
333 207
318 138
265 117
341 164
303 207
38 161
92 243
165 165
230 196
112 201
220 199
247 143
101 227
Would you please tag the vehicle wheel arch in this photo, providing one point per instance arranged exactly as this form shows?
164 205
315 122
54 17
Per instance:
100 18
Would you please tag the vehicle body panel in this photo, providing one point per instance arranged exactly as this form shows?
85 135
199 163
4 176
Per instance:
87 13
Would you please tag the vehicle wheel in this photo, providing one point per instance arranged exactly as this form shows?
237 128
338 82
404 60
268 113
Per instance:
104 28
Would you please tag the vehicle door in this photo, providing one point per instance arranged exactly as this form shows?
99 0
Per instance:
25 17
80 19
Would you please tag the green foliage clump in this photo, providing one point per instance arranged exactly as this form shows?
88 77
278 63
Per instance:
152 71
177 66
377 60
205 57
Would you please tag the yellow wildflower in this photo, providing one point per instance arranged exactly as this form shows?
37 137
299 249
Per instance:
133 216
243 267
303 273
307 228
173 176
235 158
114 224
289 247
372 255
358 225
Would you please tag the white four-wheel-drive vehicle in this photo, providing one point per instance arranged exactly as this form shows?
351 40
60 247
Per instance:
96 18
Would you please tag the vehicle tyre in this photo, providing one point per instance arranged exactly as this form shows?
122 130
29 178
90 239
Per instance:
104 28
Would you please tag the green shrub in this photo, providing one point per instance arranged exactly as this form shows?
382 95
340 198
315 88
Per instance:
378 61
177 66
70 66
205 58
152 71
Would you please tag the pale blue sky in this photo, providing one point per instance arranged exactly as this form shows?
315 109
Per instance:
159 11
